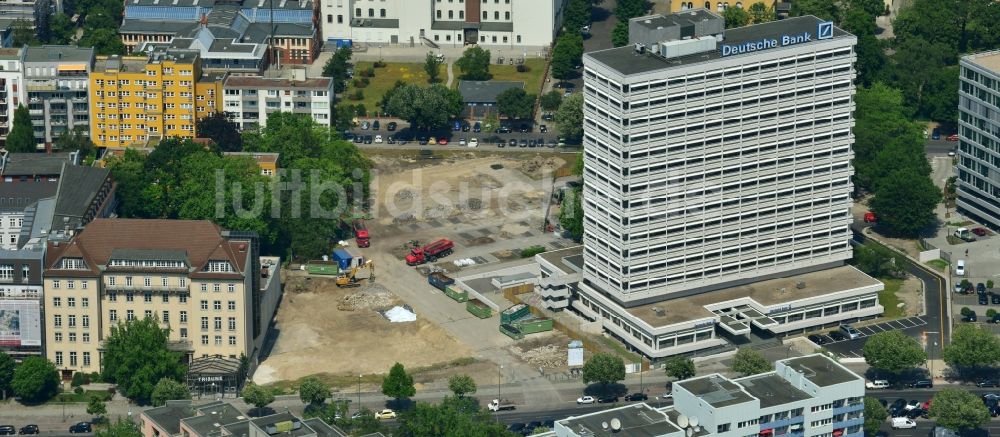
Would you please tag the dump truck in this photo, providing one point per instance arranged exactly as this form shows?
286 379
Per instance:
430 252
500 404
361 237
439 280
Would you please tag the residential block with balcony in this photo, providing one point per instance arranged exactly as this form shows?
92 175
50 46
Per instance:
249 100
56 81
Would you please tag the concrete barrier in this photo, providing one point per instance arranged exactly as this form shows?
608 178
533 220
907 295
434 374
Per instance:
929 255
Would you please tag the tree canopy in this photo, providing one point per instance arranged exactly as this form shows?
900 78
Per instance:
432 68
398 384
679 367
221 130
893 352
35 380
904 202
453 417
474 64
6 374
21 137
167 389
96 407
551 100
461 385
750 362
136 358
569 118
735 17
257 396
971 348
603 368
313 391
958 410
879 261
515 103
121 428
875 415
566 54
425 107
337 67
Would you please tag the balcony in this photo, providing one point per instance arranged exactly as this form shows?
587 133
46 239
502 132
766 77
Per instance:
848 408
143 288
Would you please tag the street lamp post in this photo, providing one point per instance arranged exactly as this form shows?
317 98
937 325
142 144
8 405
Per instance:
359 392
930 355
496 412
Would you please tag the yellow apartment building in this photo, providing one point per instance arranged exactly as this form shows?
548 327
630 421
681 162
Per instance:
138 100
204 284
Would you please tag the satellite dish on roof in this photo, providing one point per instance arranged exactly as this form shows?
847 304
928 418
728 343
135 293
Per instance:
616 425
682 421
689 432
693 420
604 425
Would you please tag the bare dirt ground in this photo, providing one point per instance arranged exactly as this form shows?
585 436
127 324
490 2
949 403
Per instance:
911 293
320 331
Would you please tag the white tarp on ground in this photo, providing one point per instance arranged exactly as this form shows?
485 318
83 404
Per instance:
399 314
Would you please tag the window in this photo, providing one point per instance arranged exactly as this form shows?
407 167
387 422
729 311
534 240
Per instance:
204 305
204 287
329 19
217 305
216 288
166 317
232 340
381 13
129 297
232 305
72 321
204 340
113 315
71 285
71 302
184 316
165 297
147 281
58 336
72 358
86 359
59 358
232 288
57 321
217 323
111 280
26 271
183 298
232 323
147 297
57 302
84 301
218 340
340 19
204 323
85 321
128 281
164 282
72 337
55 284
86 337
129 315
184 333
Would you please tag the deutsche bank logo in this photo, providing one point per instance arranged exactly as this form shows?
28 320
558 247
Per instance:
825 30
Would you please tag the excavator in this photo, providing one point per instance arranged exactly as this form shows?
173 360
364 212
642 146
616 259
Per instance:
350 278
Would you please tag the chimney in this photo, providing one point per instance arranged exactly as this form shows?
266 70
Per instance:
204 20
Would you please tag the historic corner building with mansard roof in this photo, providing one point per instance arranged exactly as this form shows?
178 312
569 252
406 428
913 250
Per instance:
717 183
207 285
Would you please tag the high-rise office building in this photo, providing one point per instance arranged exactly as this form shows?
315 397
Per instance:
718 170
979 137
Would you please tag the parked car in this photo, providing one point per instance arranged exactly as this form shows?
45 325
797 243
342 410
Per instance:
995 299
850 331
28 429
466 127
375 125
585 400
903 423
378 139
473 143
391 126
516 427
365 125
456 126
503 130
543 128
818 339
361 413
921 383
80 427
636 397
548 116
994 319
390 140
960 268
870 217
512 143
952 137
988 383
432 141
981 288
877 384
971 318
443 141
385 414
477 127
7 430
358 139
368 139
461 142
837 335
936 134
525 127
980 231
523 143
532 143
607 399
983 300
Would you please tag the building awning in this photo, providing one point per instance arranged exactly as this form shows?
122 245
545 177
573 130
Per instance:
71 67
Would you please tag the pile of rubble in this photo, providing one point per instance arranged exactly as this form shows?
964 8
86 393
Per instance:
539 163
403 195
373 296
548 356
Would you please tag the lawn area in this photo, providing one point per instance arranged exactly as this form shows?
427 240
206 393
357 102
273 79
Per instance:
939 264
385 78
532 78
888 299
82 397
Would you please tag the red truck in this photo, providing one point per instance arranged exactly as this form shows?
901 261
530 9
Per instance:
361 234
430 252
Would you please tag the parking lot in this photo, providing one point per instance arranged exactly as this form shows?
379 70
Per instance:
853 348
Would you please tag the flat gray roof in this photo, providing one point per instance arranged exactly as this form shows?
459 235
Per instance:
168 417
485 91
35 164
987 60
821 370
654 22
639 420
266 421
558 258
716 390
58 53
211 418
772 390
626 61
480 285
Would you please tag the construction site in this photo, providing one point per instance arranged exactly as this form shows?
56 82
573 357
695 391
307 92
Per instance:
476 217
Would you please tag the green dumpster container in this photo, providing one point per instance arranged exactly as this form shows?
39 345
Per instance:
456 293
533 325
478 309
511 331
330 268
514 313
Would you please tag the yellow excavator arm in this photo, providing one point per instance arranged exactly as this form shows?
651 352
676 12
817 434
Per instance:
349 279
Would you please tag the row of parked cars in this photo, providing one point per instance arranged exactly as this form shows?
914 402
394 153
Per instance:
529 428
79 427
843 332
611 399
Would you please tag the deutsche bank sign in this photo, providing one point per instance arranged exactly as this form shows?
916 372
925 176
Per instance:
823 31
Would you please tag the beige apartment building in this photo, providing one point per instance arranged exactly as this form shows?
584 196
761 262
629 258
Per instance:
201 282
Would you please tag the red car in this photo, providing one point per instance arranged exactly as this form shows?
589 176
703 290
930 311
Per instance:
952 137
443 141
979 231
870 217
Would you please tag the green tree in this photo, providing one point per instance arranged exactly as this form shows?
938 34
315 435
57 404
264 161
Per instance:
551 100
883 125
257 396
577 15
879 261
105 41
871 7
619 35
566 54
893 352
604 369
432 68
461 385
21 138
35 380
6 373
824 9
313 391
474 64
904 202
426 107
76 140
760 13
21 33
136 357
515 103
121 428
971 348
453 417
337 67
167 389
628 9
398 384
222 131
679 367
875 415
958 410
735 17
569 118
750 362
96 407
63 29
571 214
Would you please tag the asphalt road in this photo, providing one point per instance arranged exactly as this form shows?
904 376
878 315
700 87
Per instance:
939 147
932 324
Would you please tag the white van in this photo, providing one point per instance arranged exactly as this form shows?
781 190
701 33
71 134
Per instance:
877 384
960 268
903 423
